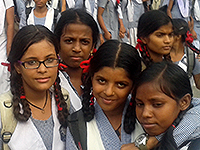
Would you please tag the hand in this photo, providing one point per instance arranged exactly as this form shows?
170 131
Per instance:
130 146
107 36
152 142
101 39
122 31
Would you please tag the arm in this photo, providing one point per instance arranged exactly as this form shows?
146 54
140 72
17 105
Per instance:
63 8
122 29
169 8
10 27
107 34
197 80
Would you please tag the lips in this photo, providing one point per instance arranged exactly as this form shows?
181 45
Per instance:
148 126
107 101
167 48
42 80
76 58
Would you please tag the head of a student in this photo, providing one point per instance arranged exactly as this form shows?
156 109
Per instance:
180 29
112 74
40 3
155 31
34 66
162 91
78 35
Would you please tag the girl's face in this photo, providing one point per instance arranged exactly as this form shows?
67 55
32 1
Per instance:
76 43
40 3
155 110
160 42
111 88
42 78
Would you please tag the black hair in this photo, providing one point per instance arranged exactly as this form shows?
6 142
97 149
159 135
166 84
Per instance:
148 23
173 82
77 16
181 28
24 38
112 54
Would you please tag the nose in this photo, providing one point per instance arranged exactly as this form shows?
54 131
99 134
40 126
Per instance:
77 47
147 112
42 68
109 90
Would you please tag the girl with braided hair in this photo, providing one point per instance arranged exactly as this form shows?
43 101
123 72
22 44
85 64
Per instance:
182 49
78 35
112 74
37 104
155 36
165 107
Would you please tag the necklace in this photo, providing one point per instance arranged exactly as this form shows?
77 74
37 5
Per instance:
117 130
42 109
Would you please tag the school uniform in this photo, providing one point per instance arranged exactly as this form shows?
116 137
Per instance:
4 74
101 135
110 17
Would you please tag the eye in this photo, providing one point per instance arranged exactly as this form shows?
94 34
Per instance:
121 85
50 60
68 41
139 104
32 62
101 81
171 34
85 42
157 104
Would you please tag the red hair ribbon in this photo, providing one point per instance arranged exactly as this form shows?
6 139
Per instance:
7 65
118 1
173 126
131 103
92 101
85 65
138 46
62 66
188 38
22 97
59 108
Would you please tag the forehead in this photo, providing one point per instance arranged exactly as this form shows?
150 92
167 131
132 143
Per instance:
40 49
113 73
168 28
77 28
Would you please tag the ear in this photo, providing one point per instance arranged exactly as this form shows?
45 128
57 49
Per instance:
17 68
144 40
185 102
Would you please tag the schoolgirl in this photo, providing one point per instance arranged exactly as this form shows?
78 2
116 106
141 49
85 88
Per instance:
184 52
34 108
155 36
179 9
110 19
41 14
165 107
78 35
112 74
6 36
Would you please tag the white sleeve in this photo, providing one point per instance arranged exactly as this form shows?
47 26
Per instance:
9 3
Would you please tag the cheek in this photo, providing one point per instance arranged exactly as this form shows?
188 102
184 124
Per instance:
87 51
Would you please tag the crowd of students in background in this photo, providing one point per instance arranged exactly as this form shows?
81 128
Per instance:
93 52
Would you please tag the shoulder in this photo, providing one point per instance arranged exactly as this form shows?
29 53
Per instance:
6 97
8 3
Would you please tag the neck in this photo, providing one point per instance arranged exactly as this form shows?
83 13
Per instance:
177 51
75 78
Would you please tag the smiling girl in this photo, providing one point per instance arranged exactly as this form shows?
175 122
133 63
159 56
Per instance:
37 109
112 73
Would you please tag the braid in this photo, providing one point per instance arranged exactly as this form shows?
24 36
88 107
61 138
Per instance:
21 109
144 53
130 117
167 141
88 102
61 103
